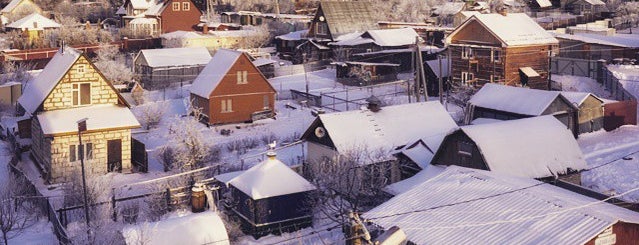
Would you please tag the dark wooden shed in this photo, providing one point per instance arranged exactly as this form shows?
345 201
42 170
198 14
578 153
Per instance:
591 111
365 73
271 197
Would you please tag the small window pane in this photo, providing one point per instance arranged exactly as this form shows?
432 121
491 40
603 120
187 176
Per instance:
89 151
72 156
85 93
245 77
223 105
239 77
75 96
229 105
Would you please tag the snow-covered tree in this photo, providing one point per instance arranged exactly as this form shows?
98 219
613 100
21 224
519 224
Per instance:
111 62
189 148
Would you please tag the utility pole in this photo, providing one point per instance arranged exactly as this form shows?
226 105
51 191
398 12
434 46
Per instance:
82 126
277 9
305 73
420 68
414 71
441 80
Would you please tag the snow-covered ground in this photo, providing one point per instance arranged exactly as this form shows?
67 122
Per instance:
607 149
38 231
581 84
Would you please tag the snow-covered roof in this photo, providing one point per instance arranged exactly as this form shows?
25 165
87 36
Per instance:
388 128
434 66
482 120
143 4
516 29
618 40
428 172
38 88
353 42
449 8
99 117
419 152
578 97
13 4
201 228
595 2
156 9
121 10
270 178
214 72
523 101
181 35
544 3
537 147
528 71
393 37
291 36
227 177
34 21
143 20
176 56
469 206
263 61
625 72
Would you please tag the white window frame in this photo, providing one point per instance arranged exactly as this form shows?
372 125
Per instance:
467 52
227 105
466 77
186 6
176 6
242 77
78 90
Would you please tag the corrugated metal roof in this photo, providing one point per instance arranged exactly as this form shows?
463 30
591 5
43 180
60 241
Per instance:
468 206
347 17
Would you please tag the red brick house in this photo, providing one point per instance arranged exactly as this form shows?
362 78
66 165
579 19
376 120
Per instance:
231 89
154 17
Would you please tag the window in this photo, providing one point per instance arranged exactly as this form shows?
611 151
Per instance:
466 78
80 69
35 24
497 79
267 102
321 28
176 6
75 151
227 105
496 56
242 77
464 148
467 53
186 6
81 93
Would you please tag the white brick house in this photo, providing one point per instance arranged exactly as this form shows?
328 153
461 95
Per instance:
71 88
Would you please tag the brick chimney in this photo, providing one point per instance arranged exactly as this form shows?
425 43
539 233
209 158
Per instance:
205 28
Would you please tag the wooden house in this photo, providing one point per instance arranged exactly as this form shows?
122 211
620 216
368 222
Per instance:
33 26
594 47
507 103
539 147
470 206
590 116
16 9
286 44
374 41
509 49
373 130
170 67
365 73
266 66
70 89
155 17
580 7
434 70
231 89
271 197
336 18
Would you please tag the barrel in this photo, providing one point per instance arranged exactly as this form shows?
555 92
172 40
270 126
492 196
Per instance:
198 198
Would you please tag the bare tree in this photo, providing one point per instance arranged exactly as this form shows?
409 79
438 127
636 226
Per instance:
628 12
191 150
15 214
257 37
150 114
350 182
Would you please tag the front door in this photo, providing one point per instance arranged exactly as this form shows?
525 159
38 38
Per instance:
114 155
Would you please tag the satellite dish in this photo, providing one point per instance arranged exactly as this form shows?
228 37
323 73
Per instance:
320 132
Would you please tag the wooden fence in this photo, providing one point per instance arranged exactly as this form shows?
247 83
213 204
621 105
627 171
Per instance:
139 156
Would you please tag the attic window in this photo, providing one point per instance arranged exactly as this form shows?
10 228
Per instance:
496 56
320 27
186 6
80 69
176 6
81 93
242 77
467 52
464 149
35 24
